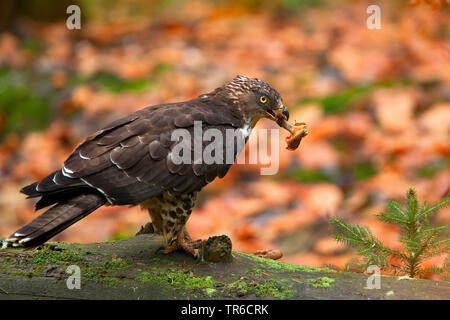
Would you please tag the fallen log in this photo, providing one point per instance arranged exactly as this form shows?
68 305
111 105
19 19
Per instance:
135 268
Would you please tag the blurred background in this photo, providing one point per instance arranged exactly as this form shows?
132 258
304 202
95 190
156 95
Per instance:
377 103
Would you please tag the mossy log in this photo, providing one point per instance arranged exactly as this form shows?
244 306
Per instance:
137 269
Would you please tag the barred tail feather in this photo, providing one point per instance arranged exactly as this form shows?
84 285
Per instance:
55 220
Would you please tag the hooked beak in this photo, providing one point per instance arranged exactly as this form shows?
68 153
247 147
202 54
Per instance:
276 115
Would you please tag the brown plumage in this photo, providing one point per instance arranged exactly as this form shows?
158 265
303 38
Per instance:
130 162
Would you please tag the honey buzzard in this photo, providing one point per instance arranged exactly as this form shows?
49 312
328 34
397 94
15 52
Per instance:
131 161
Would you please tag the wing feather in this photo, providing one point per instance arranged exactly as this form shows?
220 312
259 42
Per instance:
129 161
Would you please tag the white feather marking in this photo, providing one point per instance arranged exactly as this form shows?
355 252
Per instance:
246 131
67 171
101 191
83 157
115 163
24 240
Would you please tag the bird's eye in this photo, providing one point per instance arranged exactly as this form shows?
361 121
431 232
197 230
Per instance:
263 99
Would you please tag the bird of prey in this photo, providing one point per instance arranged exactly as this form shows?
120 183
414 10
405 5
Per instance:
130 162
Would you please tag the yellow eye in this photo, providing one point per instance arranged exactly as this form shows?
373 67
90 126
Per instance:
263 99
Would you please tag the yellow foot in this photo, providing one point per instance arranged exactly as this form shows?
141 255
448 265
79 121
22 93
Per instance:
185 243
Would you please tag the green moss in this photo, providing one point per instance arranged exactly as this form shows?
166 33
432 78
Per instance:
97 275
120 236
116 263
210 292
7 262
240 288
321 282
176 278
277 289
89 273
47 256
146 277
199 282
10 265
389 293
254 271
281 266
21 273
108 281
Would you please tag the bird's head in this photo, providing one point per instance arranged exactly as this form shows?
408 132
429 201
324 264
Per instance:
255 98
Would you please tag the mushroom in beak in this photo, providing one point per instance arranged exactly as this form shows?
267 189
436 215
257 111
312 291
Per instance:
297 130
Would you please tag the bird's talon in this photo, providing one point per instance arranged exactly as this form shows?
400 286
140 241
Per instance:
188 245
170 248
